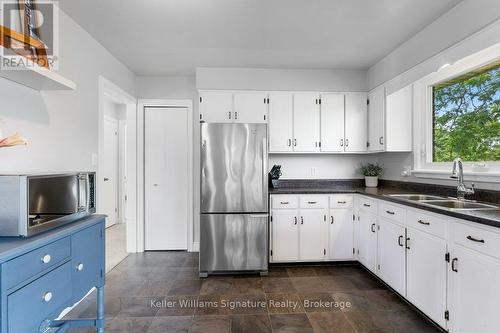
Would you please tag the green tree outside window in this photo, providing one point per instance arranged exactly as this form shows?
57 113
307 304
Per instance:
467 116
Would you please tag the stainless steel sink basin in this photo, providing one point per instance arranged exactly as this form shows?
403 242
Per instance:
417 197
460 205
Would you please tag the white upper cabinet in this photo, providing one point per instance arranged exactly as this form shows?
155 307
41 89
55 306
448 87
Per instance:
306 122
376 121
332 122
250 107
280 122
399 113
216 106
356 119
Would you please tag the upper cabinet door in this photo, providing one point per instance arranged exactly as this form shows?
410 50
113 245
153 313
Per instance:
332 122
280 122
216 106
250 107
376 112
356 122
399 113
306 122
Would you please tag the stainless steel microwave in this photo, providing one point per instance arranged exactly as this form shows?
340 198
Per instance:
30 204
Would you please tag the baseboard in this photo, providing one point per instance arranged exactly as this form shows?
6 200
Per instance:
195 247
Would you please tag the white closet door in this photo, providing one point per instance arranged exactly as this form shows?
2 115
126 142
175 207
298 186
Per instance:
332 122
356 119
166 178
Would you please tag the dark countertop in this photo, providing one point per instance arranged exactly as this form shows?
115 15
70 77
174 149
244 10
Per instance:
11 247
487 217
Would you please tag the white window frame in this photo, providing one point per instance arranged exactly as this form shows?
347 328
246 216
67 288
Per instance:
424 167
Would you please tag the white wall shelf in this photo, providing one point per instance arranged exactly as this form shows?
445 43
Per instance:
37 78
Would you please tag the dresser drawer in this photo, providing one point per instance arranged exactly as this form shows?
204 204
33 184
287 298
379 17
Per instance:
429 223
284 201
481 240
313 201
368 205
32 263
392 212
44 298
341 201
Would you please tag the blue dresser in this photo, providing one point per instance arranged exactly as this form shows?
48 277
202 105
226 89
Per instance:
42 275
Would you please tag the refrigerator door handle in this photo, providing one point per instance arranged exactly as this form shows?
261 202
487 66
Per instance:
264 171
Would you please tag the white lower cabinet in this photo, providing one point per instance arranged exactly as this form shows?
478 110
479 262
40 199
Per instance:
475 292
426 274
312 235
285 235
341 234
391 262
367 240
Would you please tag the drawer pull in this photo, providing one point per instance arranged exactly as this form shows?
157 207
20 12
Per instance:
475 239
301 220
400 241
311 202
47 296
46 258
423 222
79 267
284 202
341 202
331 219
295 220
367 205
390 212
373 227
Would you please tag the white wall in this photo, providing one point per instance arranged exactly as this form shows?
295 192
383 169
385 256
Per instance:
281 79
462 21
61 126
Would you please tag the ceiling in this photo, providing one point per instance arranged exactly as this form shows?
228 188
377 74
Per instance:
173 37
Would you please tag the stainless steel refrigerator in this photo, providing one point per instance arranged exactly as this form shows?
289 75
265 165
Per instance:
234 202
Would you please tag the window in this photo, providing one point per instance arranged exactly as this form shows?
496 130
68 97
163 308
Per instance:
466 116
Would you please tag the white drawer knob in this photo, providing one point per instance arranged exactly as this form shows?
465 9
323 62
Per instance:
46 258
79 267
47 296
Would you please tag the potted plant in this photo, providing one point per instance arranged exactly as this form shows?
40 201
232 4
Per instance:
371 171
275 175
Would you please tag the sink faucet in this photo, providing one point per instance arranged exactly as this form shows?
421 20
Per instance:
458 173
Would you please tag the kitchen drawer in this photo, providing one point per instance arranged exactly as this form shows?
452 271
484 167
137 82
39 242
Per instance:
368 205
481 240
44 298
32 263
341 201
392 212
429 223
284 201
313 201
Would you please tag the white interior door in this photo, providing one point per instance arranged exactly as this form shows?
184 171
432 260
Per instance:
109 191
166 178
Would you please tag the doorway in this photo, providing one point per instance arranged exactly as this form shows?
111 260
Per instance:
166 178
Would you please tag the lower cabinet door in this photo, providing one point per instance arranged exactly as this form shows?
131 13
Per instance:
426 274
313 234
341 234
475 292
87 260
44 298
285 235
392 255
367 240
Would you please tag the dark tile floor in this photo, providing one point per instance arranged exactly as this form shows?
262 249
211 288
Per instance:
160 292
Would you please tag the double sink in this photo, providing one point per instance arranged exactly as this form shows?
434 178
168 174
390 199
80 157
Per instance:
452 204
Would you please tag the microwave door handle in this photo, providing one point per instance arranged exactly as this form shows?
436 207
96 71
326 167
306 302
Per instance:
82 198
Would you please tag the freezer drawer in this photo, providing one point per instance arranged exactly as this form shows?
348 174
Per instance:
233 242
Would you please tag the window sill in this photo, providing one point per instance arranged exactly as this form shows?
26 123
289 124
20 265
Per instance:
481 177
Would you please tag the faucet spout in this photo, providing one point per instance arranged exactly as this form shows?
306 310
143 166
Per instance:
458 173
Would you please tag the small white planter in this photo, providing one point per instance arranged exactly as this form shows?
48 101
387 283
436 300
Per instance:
371 181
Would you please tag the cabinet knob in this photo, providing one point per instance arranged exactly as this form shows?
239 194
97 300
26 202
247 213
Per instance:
47 296
79 267
46 258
